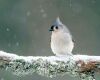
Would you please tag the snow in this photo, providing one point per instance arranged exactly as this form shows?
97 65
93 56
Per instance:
17 43
93 1
21 65
2 79
42 11
28 13
86 58
44 14
7 29
11 56
51 58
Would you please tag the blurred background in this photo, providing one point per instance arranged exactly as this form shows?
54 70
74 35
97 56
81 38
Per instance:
24 26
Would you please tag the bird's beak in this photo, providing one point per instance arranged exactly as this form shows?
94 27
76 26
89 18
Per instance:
50 29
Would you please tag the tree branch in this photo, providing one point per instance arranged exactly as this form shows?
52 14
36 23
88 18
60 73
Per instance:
83 66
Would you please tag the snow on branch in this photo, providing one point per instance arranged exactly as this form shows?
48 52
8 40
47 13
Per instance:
83 66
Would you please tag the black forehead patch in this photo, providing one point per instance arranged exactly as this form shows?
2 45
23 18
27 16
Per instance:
52 27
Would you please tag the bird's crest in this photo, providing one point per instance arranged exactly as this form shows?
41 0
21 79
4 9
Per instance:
57 22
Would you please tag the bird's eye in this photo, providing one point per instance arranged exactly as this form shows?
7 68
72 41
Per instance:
56 27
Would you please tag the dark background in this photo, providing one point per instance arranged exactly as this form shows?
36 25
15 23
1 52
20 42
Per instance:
24 26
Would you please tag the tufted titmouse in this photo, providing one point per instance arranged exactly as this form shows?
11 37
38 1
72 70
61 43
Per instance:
61 39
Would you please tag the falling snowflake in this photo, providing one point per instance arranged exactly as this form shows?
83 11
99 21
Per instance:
7 29
17 43
44 15
28 13
70 4
2 78
42 11
93 1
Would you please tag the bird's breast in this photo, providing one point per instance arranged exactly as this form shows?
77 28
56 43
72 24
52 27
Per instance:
61 43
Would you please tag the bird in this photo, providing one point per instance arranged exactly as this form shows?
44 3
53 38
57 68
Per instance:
61 42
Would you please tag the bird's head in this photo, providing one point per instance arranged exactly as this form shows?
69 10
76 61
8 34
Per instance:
58 26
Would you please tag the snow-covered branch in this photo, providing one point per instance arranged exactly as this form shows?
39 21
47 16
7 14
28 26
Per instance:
79 65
